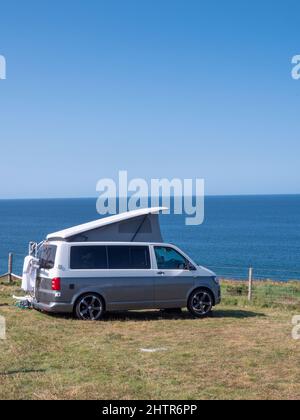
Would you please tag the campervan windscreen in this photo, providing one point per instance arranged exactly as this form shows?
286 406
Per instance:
46 256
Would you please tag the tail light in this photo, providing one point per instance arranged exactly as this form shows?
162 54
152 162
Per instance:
56 283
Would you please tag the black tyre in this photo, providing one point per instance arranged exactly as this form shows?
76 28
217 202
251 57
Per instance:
89 307
200 303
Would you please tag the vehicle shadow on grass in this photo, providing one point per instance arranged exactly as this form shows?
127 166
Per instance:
157 315
176 315
236 313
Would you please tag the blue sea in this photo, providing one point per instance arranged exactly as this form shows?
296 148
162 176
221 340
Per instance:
238 232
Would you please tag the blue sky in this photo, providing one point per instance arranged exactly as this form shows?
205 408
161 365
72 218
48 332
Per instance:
159 88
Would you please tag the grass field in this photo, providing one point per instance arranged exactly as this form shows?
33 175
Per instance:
242 351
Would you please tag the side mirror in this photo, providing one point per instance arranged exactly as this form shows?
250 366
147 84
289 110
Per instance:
189 266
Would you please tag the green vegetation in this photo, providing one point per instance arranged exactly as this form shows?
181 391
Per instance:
265 294
242 351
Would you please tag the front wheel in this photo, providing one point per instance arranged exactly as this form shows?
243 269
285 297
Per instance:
200 303
89 307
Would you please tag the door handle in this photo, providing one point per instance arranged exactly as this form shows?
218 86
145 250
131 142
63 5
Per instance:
161 273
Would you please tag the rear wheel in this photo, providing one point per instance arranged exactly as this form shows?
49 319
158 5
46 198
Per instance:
89 307
200 303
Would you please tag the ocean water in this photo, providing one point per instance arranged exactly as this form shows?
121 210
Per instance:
238 232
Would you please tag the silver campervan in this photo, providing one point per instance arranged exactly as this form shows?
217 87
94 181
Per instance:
119 263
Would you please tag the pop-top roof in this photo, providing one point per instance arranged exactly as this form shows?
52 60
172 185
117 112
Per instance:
100 225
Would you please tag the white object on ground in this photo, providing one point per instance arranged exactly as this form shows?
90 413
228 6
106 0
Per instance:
154 350
23 298
29 273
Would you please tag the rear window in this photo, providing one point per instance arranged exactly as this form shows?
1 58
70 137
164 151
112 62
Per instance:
46 256
113 257
130 257
88 257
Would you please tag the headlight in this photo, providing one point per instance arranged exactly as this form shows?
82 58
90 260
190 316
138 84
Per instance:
216 280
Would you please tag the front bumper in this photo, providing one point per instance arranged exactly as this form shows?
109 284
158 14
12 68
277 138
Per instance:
218 296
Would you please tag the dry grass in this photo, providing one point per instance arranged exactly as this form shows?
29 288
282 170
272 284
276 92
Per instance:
240 352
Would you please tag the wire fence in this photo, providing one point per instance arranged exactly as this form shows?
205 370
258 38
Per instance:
264 293
259 287
241 273
240 285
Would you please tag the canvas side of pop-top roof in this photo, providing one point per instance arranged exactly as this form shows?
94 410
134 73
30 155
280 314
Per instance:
135 226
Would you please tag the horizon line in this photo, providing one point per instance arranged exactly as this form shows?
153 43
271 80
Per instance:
173 196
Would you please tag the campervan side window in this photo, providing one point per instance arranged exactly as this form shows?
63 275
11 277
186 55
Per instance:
97 257
46 256
88 257
128 257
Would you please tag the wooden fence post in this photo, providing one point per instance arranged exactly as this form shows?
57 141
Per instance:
10 265
250 283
